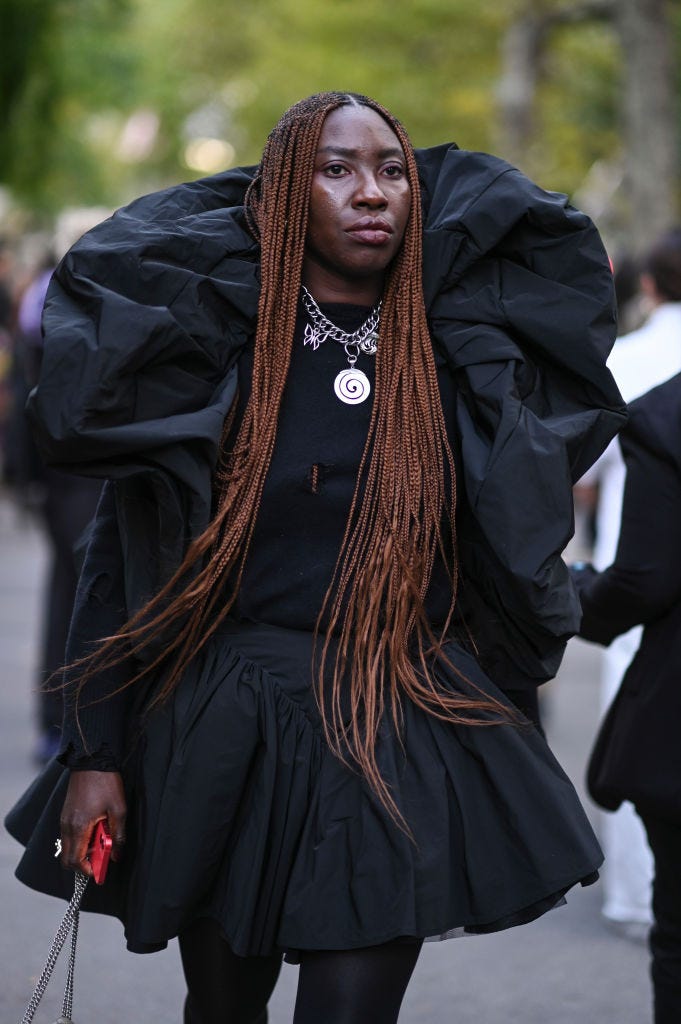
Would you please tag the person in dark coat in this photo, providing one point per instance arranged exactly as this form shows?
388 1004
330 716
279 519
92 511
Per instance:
67 506
339 401
637 755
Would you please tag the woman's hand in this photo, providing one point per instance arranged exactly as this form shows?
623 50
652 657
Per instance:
91 797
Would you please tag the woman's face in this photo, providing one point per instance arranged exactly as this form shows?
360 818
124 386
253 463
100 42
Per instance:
359 206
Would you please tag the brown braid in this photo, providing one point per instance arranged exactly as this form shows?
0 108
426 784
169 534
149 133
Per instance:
384 649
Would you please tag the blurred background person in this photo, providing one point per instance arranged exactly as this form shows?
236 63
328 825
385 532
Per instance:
637 756
5 356
626 277
639 361
64 503
632 304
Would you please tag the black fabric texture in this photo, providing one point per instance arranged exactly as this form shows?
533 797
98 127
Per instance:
67 508
96 715
243 814
310 483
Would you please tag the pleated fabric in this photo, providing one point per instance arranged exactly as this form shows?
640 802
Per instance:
242 813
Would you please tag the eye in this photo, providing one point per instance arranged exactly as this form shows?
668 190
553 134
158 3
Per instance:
394 170
335 170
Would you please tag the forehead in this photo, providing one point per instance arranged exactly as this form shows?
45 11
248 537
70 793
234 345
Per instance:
358 128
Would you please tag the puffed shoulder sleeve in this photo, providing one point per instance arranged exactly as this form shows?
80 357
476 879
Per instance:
143 320
520 301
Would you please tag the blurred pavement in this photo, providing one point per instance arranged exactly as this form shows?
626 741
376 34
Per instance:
567 967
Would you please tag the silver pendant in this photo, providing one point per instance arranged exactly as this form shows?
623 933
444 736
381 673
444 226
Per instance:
352 386
313 336
370 344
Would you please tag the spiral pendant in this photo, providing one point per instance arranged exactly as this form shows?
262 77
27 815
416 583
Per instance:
352 386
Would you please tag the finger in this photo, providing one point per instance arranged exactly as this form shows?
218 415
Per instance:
75 844
74 856
117 820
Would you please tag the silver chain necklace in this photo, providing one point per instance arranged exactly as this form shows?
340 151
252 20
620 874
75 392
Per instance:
351 386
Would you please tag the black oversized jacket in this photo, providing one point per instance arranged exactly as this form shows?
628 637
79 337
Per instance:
148 314
637 755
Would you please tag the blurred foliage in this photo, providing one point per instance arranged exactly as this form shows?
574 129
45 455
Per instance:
432 62
577 104
64 62
74 72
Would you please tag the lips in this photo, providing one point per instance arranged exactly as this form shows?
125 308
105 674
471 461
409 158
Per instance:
371 231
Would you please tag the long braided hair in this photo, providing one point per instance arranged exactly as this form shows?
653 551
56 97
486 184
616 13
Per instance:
375 647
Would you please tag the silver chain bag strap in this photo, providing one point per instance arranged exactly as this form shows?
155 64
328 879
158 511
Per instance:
69 924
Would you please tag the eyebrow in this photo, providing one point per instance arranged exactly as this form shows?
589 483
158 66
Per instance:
383 154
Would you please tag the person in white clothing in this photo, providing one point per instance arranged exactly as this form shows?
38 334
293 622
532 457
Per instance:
639 361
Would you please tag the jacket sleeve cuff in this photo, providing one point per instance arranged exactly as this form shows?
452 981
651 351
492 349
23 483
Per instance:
100 760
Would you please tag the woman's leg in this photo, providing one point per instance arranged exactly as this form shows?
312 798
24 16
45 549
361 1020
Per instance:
223 988
356 985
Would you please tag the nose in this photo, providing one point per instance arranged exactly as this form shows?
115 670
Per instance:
369 192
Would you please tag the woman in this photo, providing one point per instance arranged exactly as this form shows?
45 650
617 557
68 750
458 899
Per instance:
637 755
315 759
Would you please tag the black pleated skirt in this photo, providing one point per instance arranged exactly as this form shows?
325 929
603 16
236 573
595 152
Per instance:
240 812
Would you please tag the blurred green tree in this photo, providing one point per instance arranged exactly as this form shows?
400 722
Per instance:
103 99
65 66
601 76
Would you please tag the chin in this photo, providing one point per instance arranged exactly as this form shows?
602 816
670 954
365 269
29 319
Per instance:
369 268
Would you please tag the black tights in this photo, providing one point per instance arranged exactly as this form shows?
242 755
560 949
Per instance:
353 986
344 987
223 988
